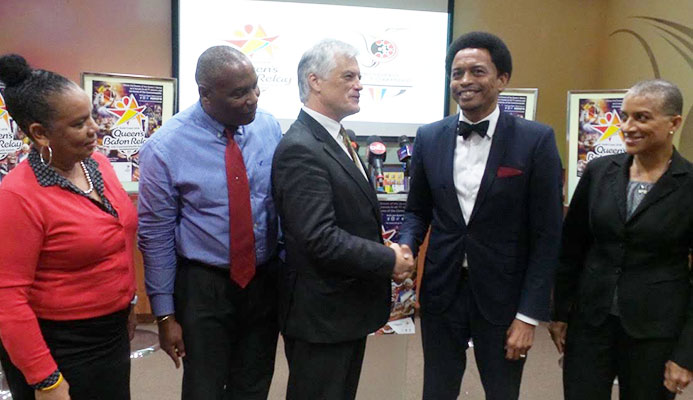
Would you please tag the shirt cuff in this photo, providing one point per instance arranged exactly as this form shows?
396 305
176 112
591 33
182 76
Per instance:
527 319
162 304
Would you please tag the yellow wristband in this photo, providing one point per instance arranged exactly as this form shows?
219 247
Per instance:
55 385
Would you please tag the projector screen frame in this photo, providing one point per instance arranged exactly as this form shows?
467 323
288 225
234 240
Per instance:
175 65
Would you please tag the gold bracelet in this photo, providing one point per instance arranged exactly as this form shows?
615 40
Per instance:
53 386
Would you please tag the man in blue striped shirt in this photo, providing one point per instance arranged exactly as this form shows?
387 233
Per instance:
225 333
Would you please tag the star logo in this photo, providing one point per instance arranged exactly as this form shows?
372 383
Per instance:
608 125
252 39
127 109
389 234
3 111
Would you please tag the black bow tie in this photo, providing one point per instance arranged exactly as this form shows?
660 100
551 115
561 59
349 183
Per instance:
464 129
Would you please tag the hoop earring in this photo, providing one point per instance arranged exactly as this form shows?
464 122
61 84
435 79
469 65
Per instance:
50 155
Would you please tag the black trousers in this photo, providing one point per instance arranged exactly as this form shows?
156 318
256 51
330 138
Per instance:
445 340
92 354
230 334
323 371
594 356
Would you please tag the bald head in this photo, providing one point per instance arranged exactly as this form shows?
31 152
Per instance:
227 84
668 94
215 61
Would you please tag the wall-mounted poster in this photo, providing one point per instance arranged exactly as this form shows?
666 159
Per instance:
14 144
519 102
594 130
128 110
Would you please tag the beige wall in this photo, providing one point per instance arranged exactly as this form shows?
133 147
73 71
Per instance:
72 36
624 60
552 44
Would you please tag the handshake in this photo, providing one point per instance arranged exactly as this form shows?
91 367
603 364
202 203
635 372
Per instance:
404 263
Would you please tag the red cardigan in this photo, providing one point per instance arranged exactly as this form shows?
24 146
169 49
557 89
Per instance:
61 258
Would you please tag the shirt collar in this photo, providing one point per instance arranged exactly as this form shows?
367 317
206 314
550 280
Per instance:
491 118
47 176
331 126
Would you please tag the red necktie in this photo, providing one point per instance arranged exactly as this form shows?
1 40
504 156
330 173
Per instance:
241 236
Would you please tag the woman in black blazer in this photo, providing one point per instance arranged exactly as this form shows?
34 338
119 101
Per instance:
622 300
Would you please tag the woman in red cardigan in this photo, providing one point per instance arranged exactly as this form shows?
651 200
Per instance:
66 249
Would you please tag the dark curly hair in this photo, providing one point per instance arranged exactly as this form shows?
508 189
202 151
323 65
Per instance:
500 55
28 91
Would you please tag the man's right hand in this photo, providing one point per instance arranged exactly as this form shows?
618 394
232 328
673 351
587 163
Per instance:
404 263
61 392
171 339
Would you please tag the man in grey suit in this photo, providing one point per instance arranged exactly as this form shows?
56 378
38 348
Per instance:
337 276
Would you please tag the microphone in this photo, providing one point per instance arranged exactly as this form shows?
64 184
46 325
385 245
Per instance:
404 153
352 138
376 158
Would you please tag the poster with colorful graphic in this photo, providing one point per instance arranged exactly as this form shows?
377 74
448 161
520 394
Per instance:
519 102
404 294
594 130
14 144
394 179
128 109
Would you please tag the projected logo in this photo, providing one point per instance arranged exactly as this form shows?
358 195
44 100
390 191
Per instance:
383 50
382 79
128 133
252 40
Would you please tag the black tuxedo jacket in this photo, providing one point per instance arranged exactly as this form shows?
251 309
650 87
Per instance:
645 256
336 279
511 239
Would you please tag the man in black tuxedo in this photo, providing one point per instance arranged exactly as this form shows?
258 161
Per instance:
337 273
489 184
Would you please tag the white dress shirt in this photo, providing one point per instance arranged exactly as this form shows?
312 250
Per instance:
469 166
333 128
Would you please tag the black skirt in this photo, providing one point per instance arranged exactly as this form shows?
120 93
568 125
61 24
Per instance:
93 355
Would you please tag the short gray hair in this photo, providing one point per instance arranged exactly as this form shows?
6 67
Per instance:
667 92
321 60
214 60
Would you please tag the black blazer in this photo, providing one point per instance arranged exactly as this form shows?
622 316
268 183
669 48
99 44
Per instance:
512 237
337 276
645 256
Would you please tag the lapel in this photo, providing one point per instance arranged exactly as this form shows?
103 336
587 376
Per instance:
445 149
504 130
618 176
335 152
666 185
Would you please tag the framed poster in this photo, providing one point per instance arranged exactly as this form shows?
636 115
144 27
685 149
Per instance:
14 144
519 102
128 109
594 130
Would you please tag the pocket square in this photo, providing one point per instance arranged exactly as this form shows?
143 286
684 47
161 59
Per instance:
504 172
